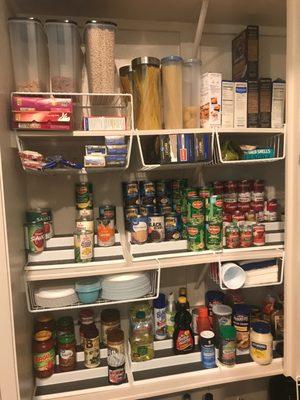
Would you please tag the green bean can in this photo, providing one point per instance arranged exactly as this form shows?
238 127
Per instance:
214 234
83 245
196 210
195 236
213 207
205 191
84 195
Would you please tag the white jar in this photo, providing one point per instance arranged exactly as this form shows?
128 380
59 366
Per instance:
261 343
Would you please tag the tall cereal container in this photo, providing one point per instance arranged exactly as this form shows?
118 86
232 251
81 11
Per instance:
100 55
191 93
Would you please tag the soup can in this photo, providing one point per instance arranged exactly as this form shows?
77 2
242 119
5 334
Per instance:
108 211
105 232
147 210
246 236
131 193
34 237
156 228
83 245
259 237
147 188
232 235
139 229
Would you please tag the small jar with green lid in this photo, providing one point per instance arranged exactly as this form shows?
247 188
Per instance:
67 352
227 345
64 325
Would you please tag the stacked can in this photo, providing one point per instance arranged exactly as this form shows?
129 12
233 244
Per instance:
84 199
38 229
214 222
106 226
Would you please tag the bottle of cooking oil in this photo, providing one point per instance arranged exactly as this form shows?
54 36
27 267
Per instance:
141 341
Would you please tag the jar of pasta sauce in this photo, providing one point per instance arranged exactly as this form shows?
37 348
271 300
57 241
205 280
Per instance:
67 352
244 191
43 350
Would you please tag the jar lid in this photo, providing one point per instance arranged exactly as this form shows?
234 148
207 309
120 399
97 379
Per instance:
171 59
67 338
207 334
261 327
110 315
228 332
102 23
46 317
86 313
203 312
221 309
241 309
65 321
145 60
87 285
160 302
115 335
42 336
60 21
191 61
123 71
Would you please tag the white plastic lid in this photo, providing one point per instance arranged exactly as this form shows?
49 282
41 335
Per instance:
55 292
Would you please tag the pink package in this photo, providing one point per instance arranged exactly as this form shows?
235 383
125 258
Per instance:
31 103
41 126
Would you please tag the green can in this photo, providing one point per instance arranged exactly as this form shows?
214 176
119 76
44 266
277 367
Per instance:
195 237
177 205
196 210
84 195
190 192
214 234
83 245
178 186
205 191
213 207
35 237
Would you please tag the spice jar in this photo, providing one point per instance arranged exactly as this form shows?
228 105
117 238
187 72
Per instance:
110 319
147 93
86 317
67 352
43 350
191 93
261 343
116 356
171 68
65 325
100 55
227 345
126 78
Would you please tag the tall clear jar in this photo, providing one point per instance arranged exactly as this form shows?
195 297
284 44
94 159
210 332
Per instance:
191 93
65 55
100 55
28 43
171 68
147 93
126 78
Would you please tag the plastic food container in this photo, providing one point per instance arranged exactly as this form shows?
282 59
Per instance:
88 290
100 55
28 43
147 93
55 296
191 93
171 68
65 56
233 276
126 78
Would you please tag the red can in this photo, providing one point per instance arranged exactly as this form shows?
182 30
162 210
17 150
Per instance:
271 210
230 187
218 187
246 236
244 207
260 216
238 216
257 206
259 237
232 235
230 207
227 217
244 191
272 205
258 192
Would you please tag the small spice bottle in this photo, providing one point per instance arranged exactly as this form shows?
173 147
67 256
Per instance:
116 356
110 319
43 351
67 352
86 317
64 325
227 345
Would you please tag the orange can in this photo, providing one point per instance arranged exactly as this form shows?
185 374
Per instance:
105 232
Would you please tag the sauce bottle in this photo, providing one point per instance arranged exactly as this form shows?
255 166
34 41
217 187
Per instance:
183 337
203 319
183 293
67 352
91 345
43 350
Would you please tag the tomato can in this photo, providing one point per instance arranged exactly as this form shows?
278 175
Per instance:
156 228
108 211
244 191
243 207
195 237
258 191
213 207
84 195
131 193
246 236
147 188
238 216
105 232
35 237
172 226
139 229
218 187
232 235
205 192
196 210
42 215
214 234
259 237
83 245
85 223
230 207
164 187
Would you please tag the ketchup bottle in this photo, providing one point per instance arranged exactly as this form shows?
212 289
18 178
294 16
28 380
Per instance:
203 320
183 337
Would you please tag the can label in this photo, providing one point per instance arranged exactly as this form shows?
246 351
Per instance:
147 210
258 196
116 375
213 207
131 193
214 235
163 187
44 361
92 352
139 230
238 216
164 200
84 213
259 235
35 237
241 322
232 235
84 193
172 227
195 237
84 246
156 228
85 223
230 197
246 236
244 197
105 232
227 352
107 212
208 355
196 210
147 188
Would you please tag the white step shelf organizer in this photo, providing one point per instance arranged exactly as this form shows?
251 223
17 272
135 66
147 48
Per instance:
71 143
263 137
30 287
151 134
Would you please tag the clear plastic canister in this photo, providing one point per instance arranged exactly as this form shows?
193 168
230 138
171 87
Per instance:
28 43
191 93
65 56
147 93
172 91
126 79
100 55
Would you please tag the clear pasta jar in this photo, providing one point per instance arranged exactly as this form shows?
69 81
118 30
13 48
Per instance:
147 93
191 93
100 55
171 68
261 343
126 78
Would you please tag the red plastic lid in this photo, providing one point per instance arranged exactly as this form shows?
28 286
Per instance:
203 312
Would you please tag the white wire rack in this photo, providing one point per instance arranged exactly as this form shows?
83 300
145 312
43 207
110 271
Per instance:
30 287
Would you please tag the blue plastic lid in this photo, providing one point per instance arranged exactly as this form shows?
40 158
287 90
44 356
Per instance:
160 302
87 285
214 295
241 309
170 59
261 327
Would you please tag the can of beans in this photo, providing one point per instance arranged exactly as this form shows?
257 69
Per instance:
244 191
164 187
232 235
214 234
195 237
147 189
238 216
83 245
84 195
164 209
156 228
34 237
259 237
172 226
130 212
205 192
218 187
246 236
105 232
196 210
85 223
213 207
108 211
258 192
139 229
147 210
131 193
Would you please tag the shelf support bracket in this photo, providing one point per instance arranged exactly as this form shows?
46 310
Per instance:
200 27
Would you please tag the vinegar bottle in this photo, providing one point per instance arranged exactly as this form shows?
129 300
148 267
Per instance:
183 337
